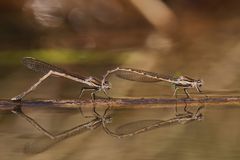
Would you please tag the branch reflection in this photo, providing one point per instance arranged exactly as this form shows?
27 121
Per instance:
126 130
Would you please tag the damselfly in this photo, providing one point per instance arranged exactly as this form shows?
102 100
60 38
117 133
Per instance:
146 76
141 126
94 84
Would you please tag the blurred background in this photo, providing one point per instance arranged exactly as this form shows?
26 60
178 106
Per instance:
199 38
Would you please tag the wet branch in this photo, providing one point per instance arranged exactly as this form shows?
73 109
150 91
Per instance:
124 102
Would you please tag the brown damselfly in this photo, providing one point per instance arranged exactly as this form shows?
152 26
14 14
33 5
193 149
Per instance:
150 77
94 84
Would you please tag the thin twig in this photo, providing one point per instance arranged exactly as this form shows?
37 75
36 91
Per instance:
123 102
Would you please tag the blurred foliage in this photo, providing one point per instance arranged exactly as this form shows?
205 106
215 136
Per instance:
63 56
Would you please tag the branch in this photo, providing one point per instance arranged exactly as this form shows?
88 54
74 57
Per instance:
123 102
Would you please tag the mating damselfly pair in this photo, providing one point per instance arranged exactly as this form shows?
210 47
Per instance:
103 85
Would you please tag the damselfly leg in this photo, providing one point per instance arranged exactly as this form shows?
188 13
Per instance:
87 89
186 92
175 92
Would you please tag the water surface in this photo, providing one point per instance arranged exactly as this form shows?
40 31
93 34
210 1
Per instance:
214 137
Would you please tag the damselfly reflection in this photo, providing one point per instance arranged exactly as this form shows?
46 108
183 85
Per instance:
94 84
141 126
94 123
146 76
97 121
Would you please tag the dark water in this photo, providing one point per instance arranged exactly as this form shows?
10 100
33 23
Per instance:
213 137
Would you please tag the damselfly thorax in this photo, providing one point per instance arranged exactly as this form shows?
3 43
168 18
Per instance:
150 77
93 84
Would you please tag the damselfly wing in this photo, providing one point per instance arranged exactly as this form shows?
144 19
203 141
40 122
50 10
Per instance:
141 126
134 126
43 67
141 76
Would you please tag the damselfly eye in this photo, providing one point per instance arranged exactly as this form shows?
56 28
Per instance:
108 119
200 117
107 85
199 83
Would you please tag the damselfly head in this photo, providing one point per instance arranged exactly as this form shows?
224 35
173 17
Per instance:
199 83
106 85
108 119
199 117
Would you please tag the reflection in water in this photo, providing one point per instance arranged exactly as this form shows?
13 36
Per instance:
125 130
137 127
91 125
